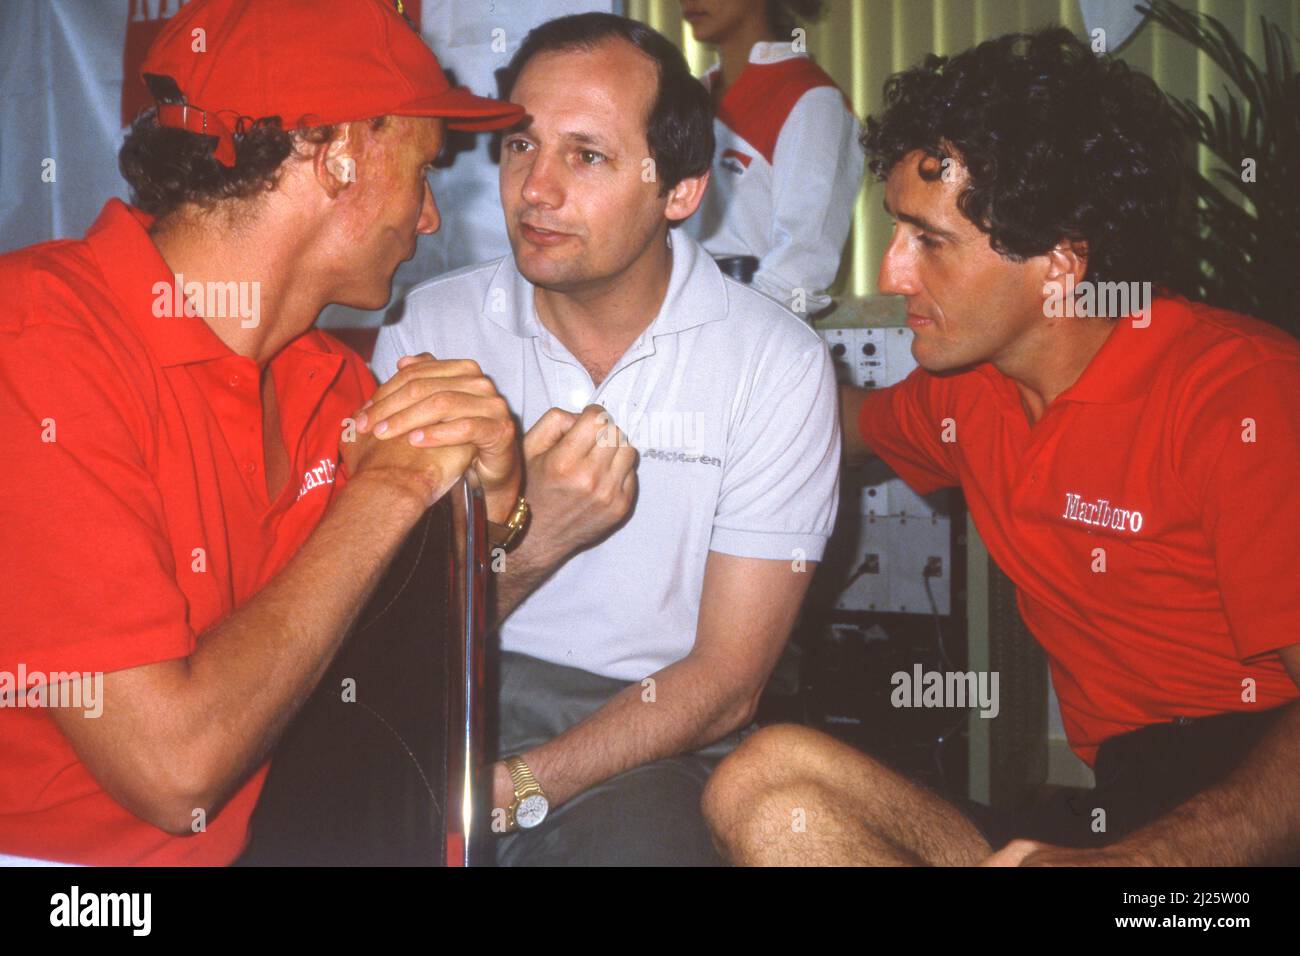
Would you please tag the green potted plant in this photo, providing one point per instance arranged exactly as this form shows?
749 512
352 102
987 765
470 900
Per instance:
1240 243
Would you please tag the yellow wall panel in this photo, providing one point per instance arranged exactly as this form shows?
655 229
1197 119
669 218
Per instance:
861 42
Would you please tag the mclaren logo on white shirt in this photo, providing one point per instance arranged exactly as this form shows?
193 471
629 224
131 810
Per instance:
1100 514
681 458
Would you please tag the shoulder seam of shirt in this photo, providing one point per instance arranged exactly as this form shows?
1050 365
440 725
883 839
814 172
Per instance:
146 399
814 91
1184 427
778 87
786 315
29 316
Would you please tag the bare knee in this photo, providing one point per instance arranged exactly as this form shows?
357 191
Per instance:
766 758
792 787
764 784
768 825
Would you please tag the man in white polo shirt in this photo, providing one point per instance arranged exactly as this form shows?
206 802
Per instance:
650 597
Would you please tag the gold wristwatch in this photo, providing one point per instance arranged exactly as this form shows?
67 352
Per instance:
506 536
530 805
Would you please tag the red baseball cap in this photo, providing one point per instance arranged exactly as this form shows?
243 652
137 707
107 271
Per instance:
309 62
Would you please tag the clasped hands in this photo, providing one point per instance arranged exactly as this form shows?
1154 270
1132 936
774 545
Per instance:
439 418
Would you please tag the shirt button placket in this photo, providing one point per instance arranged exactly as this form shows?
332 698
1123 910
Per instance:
236 380
576 390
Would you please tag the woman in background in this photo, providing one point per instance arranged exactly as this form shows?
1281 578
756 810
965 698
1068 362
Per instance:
788 164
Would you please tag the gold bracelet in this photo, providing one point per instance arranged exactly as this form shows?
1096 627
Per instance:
506 536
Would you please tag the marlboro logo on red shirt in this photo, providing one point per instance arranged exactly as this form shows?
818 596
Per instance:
322 474
1101 514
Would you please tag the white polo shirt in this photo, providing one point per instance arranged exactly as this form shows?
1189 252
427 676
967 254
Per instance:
731 402
785 175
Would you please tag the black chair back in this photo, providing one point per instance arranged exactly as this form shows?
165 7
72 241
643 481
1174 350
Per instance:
382 765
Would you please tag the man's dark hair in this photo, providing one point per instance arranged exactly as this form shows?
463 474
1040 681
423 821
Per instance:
1059 143
167 167
679 130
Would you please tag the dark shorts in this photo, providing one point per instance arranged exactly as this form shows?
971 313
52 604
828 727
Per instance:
1140 776
647 816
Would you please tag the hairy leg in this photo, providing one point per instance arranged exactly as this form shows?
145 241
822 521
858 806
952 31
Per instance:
790 795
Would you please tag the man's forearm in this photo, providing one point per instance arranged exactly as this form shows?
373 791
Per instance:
258 666
683 707
1252 817
200 725
517 575
182 734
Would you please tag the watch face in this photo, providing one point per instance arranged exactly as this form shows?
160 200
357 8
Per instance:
531 811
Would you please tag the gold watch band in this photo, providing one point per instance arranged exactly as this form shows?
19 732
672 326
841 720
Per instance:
506 536
525 783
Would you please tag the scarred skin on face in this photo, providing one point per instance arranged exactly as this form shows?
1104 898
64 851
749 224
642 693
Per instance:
384 208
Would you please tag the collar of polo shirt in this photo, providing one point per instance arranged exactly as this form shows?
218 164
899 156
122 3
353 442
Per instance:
139 278
1120 372
773 52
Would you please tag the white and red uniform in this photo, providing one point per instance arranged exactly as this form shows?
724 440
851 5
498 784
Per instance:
785 176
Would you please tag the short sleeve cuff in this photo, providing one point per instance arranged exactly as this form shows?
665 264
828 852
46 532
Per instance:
1264 639
96 655
772 545
919 478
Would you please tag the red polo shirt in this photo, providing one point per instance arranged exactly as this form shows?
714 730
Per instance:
1146 463
133 510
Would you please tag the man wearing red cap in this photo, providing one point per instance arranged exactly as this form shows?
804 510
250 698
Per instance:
190 524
